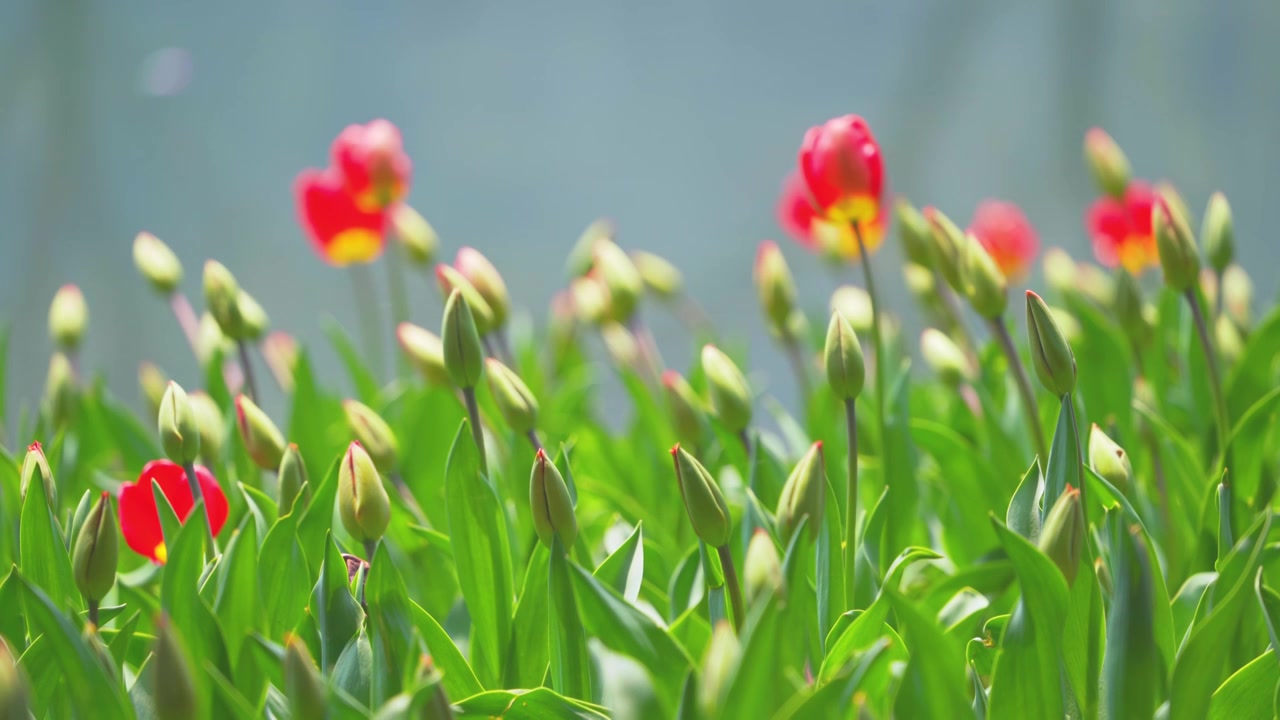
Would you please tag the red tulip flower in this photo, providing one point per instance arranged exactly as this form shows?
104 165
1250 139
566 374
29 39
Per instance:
843 171
1007 235
1121 229
341 232
139 518
374 166
800 220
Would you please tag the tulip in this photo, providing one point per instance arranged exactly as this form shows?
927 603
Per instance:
1050 352
915 234
703 501
803 495
1237 295
179 431
415 234
254 317
1107 161
582 256
948 246
291 480
1007 236
153 382
719 668
60 390
157 263
262 439
280 350
221 295
1063 534
1109 459
814 231
853 304
1216 233
139 518
659 275
686 410
425 352
590 299
550 502
448 279
846 369
775 286
363 504
1127 305
762 569
1179 257
945 357
730 394
374 168
621 277
209 424
68 317
35 466
373 433
463 353
1121 229
341 232
984 282
514 399
95 552
621 344
487 281
842 167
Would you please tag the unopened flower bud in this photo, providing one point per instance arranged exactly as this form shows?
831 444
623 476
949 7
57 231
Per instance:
157 263
415 234
1178 255
1178 207
14 693
209 424
262 439
291 480
222 297
659 275
153 382
179 433
373 433
449 280
730 393
984 283
1063 534
853 304
173 693
686 411
719 667
60 390
583 254
621 344
621 277
1107 161
762 569
920 281
96 550
1127 305
846 370
211 340
1109 459
948 242
1216 234
255 320
514 399
487 281
68 317
1060 270
302 683
945 357
35 467
915 234
280 350
590 299
1230 341
463 353
1237 295
1050 352
550 502
774 285
425 352
702 498
362 500
803 495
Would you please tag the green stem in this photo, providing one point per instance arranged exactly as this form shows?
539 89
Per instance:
1215 378
1023 382
93 613
878 348
735 589
477 432
369 317
399 300
197 495
370 547
533 440
187 320
851 506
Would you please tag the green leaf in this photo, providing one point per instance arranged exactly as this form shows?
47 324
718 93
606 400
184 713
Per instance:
43 551
1064 466
353 671
903 525
285 579
119 645
238 604
1253 376
570 660
538 704
336 612
1270 602
527 654
933 683
366 385
1249 693
624 568
831 699
320 516
313 416
1023 515
758 688
1133 673
478 531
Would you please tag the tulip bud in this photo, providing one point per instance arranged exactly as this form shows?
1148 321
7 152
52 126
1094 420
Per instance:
449 279
292 479
621 277
582 256
153 382
945 357
920 281
68 316
1060 270
424 351
415 234
1216 233
621 344
1107 161
463 353
209 424
1208 282
1127 305
1109 459
487 281
1178 255
660 276
803 495
280 350
762 569
1237 295
211 340
550 502
1230 341
846 370
173 694
302 684
1178 208
221 296
707 510
590 299
915 234
1050 353
853 304
948 241
730 394
179 434
60 390
373 433
14 702
255 320
362 500
157 263
514 400
776 288
262 439
95 552
719 667
984 283
36 467
687 413
1063 533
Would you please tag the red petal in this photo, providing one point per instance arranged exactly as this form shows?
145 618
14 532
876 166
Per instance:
795 210
139 517
341 232
374 167
841 158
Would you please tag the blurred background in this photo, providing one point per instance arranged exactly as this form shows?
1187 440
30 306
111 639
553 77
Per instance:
526 121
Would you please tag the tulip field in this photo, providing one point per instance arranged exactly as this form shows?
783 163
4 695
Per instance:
1051 503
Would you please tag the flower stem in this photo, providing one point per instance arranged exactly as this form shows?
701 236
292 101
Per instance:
477 432
369 317
1024 386
533 440
250 385
851 505
799 366
735 590
370 547
198 495
877 338
648 347
1215 378
93 613
187 320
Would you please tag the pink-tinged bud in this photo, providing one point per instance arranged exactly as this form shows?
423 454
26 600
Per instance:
262 439
590 299
948 243
35 467
703 500
621 277
775 287
487 281
659 275
582 256
280 350
448 278
157 263
550 503
415 234
425 351
375 169
68 317
363 503
1107 161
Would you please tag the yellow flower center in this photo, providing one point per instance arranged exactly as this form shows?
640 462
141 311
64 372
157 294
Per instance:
1136 253
162 554
357 245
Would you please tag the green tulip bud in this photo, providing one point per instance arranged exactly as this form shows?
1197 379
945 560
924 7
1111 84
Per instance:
362 500
915 234
707 510
659 275
173 694
803 495
1237 295
463 353
550 502
984 283
1063 534
719 667
1178 207
621 277
262 439
222 297
846 370
590 299
1109 459
415 234
35 466
60 390
776 288
14 695
209 424
153 382
373 433
686 410
179 432
514 399
68 317
854 304
1050 352
921 282
582 256
1216 233
255 320
948 243
621 343
1230 341
730 394
487 281
95 552
157 263
211 339
1107 161
291 480
449 279
1178 255
424 350
945 357
762 569
302 683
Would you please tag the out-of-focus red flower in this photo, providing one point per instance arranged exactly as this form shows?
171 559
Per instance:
842 167
341 232
139 518
1121 229
1007 235
374 166
800 220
